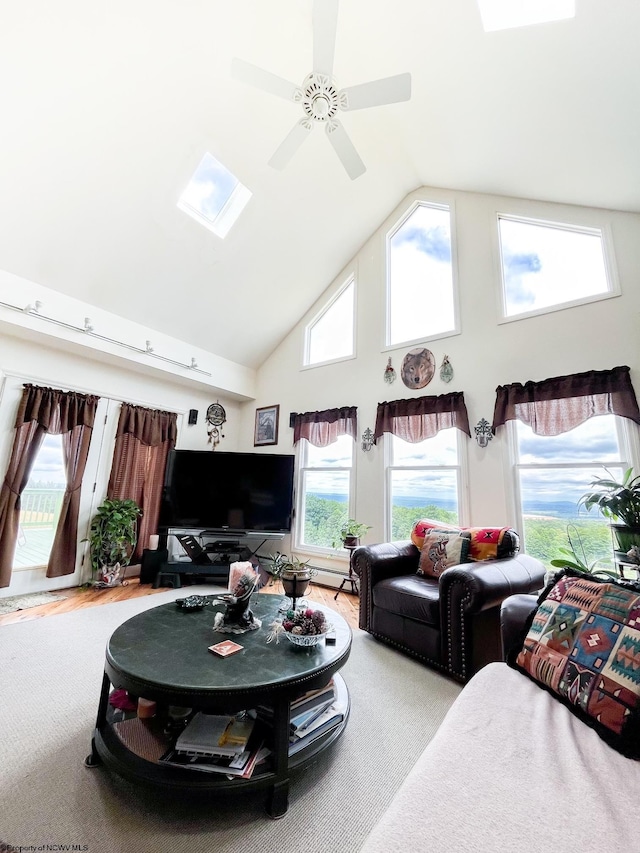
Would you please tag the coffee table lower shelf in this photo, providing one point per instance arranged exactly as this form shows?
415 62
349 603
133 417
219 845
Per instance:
118 757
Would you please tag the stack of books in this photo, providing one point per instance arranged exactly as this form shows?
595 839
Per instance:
310 721
218 744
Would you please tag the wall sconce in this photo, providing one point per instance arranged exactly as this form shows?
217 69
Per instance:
483 432
367 440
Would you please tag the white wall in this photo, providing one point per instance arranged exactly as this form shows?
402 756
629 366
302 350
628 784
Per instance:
27 361
486 354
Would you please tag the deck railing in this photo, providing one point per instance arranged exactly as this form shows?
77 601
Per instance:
40 507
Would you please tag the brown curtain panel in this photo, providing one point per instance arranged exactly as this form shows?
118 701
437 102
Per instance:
143 441
323 428
422 417
558 405
42 411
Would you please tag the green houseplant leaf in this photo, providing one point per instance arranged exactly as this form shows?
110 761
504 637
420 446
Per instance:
113 533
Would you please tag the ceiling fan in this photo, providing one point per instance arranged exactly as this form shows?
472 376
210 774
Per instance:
319 95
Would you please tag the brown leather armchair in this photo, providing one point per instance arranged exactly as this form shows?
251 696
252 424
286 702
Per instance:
451 622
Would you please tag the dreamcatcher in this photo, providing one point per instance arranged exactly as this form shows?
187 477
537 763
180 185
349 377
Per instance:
216 416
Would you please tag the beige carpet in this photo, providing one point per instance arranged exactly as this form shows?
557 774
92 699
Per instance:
51 671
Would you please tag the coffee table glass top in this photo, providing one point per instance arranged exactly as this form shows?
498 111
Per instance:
168 647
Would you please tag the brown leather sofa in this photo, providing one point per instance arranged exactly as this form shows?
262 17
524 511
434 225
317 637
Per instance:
451 622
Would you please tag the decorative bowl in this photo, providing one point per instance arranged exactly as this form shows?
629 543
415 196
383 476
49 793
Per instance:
306 639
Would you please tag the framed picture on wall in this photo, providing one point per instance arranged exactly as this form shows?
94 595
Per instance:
266 426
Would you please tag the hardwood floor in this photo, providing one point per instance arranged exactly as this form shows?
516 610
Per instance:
78 598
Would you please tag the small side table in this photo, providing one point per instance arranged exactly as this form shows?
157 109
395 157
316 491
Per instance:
351 577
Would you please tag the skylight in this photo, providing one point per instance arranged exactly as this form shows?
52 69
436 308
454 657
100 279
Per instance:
505 14
214 197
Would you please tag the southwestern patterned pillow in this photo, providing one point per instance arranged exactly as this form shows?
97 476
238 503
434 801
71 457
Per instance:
583 645
442 549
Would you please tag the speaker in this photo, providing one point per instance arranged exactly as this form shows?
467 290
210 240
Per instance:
193 416
151 563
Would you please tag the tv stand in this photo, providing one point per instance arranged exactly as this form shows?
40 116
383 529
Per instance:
206 553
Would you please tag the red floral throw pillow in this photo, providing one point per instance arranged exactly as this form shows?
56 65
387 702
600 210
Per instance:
583 645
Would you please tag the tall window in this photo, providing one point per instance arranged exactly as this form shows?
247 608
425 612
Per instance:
563 432
423 481
331 335
325 492
546 266
552 473
421 301
40 505
325 443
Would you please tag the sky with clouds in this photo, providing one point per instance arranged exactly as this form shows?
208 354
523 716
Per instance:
421 276
544 265
209 188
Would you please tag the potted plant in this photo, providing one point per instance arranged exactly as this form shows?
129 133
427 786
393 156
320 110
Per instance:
295 574
112 538
618 501
575 557
350 533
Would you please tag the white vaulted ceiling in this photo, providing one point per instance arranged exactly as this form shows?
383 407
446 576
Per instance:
107 108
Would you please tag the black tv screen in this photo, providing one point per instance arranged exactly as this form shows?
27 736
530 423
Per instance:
232 492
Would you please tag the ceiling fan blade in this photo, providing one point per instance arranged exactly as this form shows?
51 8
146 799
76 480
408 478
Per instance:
344 149
245 72
325 20
290 144
388 90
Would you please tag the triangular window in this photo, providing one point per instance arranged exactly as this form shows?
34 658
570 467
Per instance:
331 335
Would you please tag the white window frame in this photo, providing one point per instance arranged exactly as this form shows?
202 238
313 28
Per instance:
628 442
306 365
601 229
448 205
462 480
301 468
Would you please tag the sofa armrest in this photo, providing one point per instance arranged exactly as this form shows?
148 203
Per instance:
373 563
514 613
470 588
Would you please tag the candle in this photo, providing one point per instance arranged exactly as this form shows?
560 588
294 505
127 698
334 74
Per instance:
153 542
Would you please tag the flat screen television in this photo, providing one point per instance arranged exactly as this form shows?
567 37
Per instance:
228 492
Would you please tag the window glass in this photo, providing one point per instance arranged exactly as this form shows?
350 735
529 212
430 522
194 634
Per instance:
553 472
325 489
420 276
331 335
40 505
505 14
546 266
214 196
424 481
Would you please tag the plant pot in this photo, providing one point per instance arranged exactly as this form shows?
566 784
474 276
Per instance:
351 541
625 537
295 584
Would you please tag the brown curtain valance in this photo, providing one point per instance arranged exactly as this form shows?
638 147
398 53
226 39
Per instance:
56 411
150 426
422 417
558 405
323 428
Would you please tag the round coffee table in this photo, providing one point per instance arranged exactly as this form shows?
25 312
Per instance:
162 655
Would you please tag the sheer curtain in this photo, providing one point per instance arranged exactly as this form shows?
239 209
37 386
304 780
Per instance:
560 404
143 440
42 411
422 417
